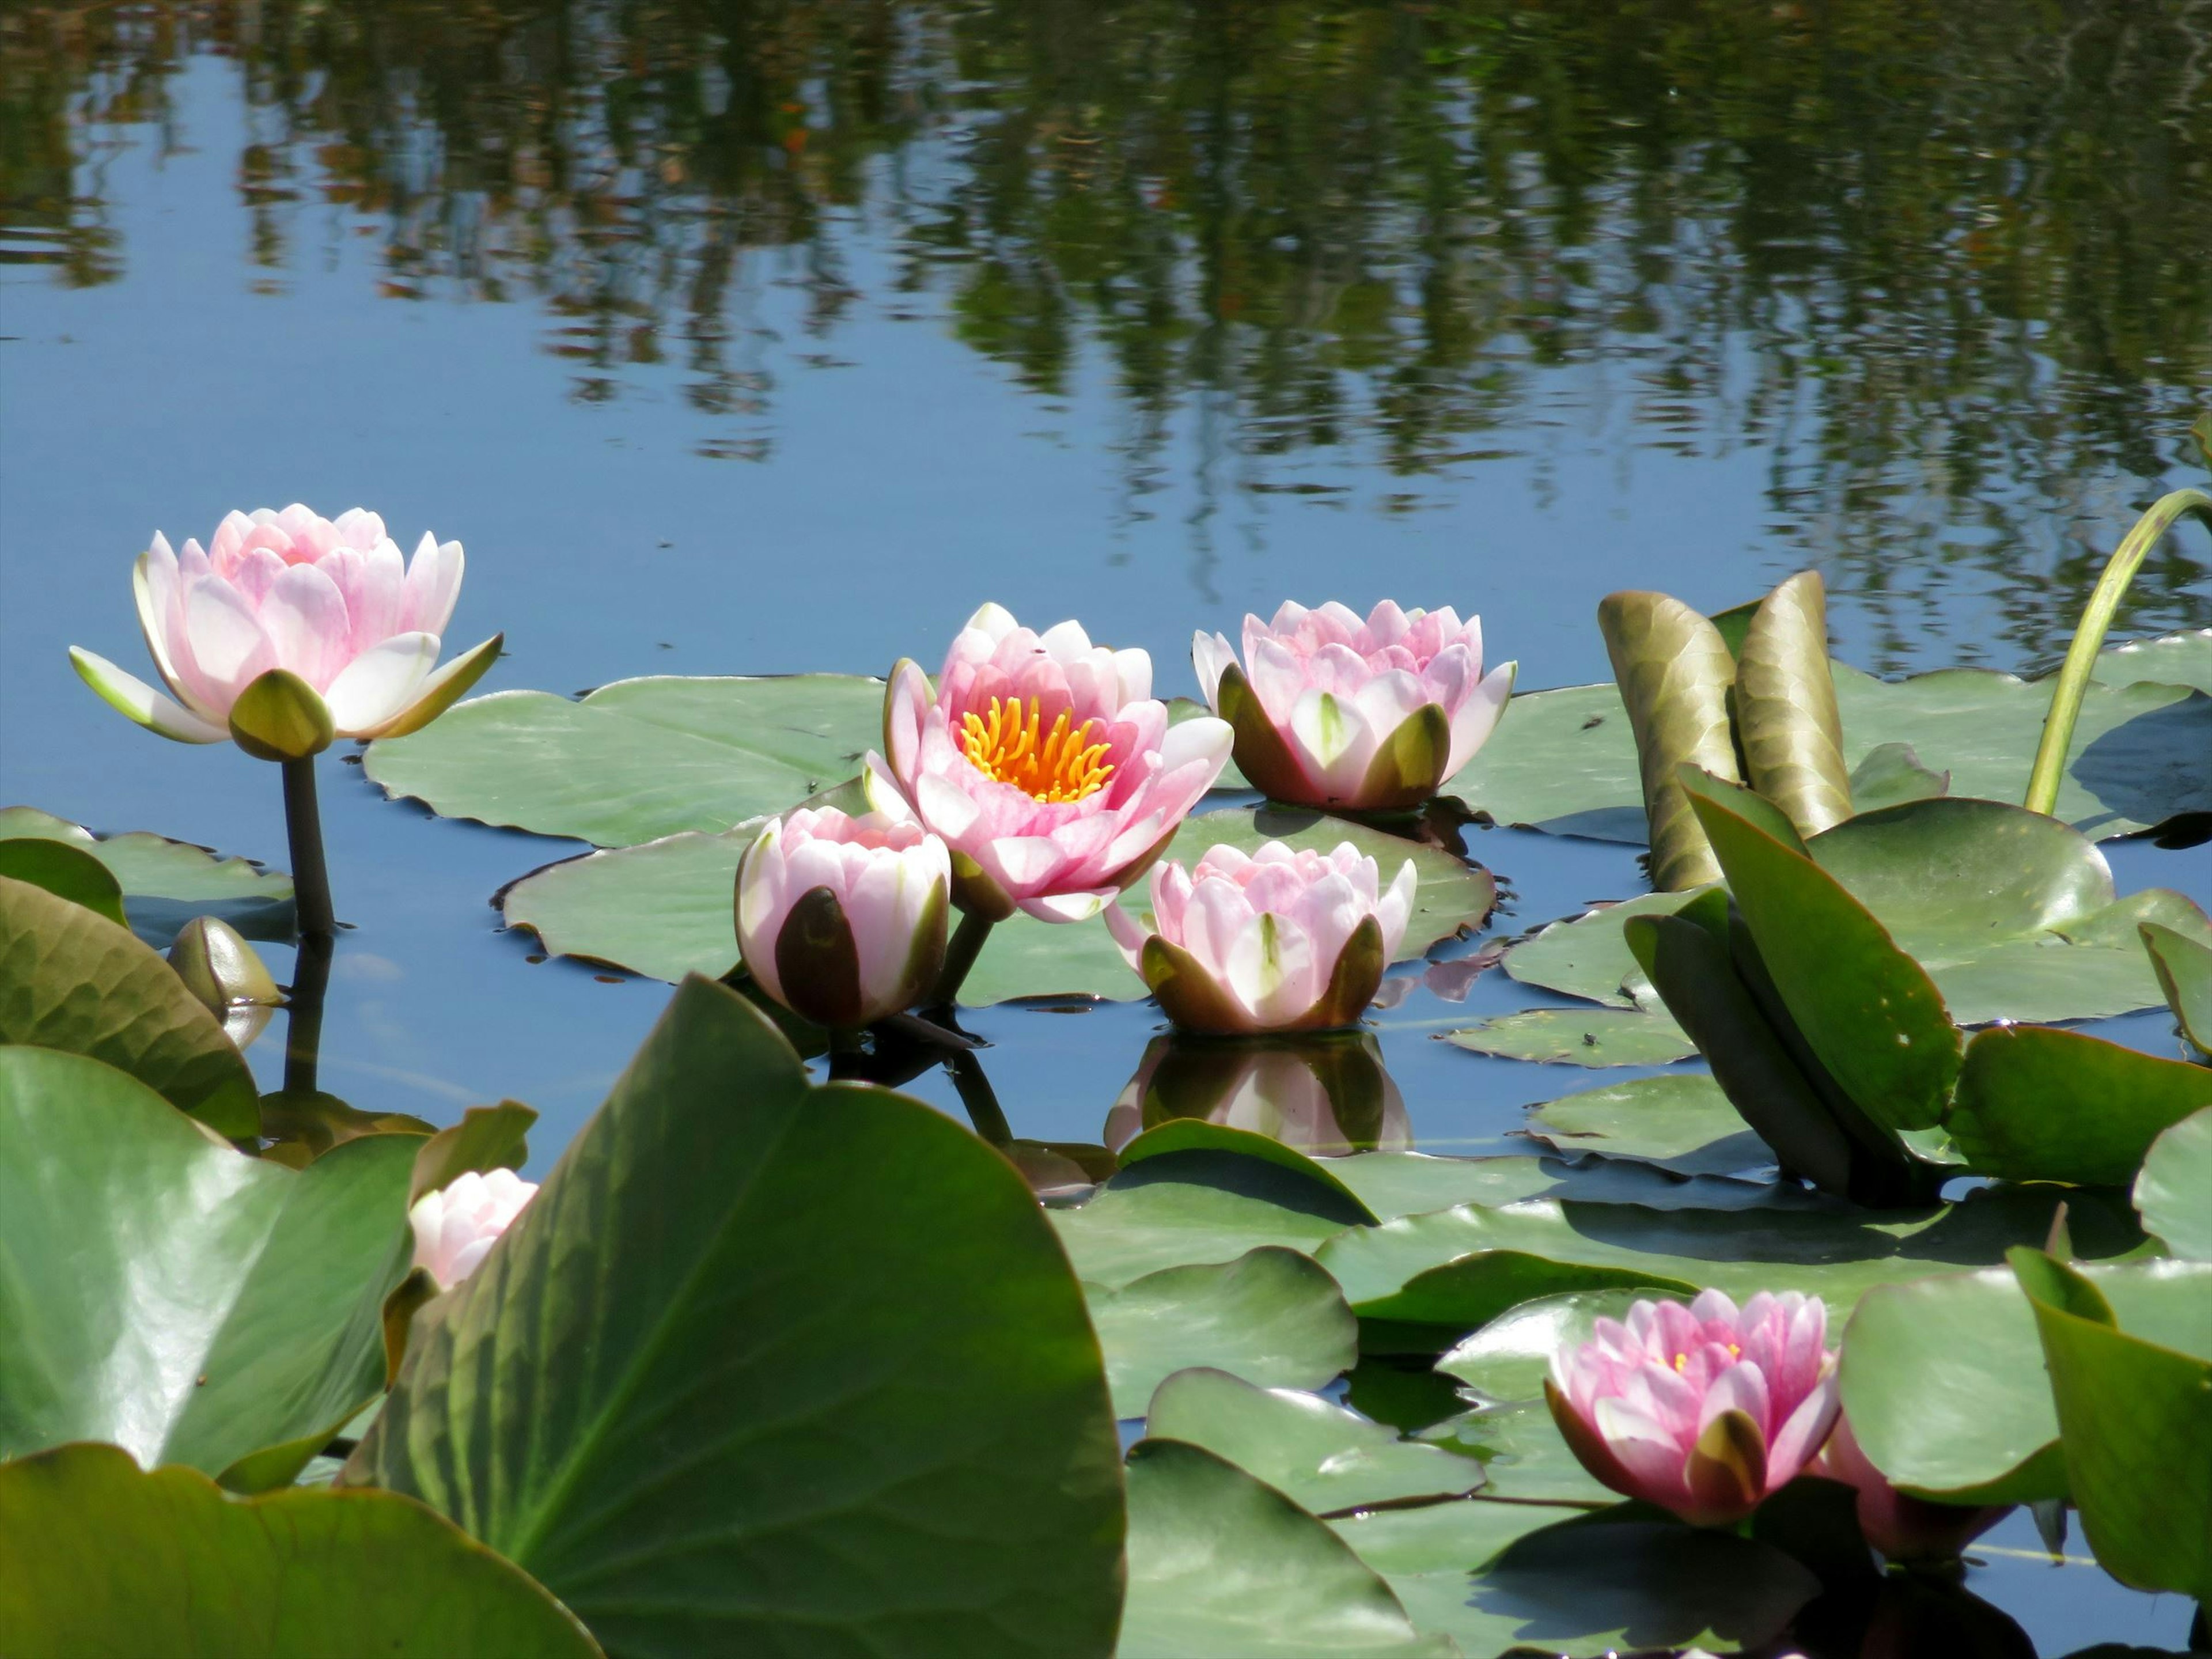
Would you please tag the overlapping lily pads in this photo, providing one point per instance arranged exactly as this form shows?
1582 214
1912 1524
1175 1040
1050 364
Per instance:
1679 1121
663 909
1565 761
233 1324
165 884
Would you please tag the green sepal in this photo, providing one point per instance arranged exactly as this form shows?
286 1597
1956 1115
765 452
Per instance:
1410 764
1257 747
280 717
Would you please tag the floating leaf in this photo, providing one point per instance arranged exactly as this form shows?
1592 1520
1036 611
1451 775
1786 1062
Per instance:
2173 1193
1197 1134
1585 956
2132 1426
1494 1576
1198 1206
237 1311
166 883
74 980
1410 1183
640 759
1944 1379
1680 1122
1322 1456
2183 658
1890 774
2037 1104
1674 674
106 1558
1224 1566
767 1366
1565 761
1578 1036
1786 708
1270 1316
2184 974
663 909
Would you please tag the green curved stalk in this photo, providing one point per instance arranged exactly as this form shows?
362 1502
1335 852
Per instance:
2073 677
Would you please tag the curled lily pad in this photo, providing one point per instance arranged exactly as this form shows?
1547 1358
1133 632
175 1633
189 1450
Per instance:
1786 708
1674 674
663 909
1565 761
2183 966
166 883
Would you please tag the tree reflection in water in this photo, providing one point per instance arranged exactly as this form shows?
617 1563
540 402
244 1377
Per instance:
1948 263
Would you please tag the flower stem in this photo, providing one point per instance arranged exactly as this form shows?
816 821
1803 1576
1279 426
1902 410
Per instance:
2073 678
979 1097
303 825
960 953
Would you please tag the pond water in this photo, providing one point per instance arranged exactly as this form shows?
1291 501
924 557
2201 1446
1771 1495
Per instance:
754 339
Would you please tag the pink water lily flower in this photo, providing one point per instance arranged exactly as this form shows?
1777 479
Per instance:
1045 763
1276 941
842 919
1359 716
1703 1410
456 1226
328 600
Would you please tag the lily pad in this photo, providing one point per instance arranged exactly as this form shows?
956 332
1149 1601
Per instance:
2184 974
663 909
74 980
1565 761
1585 1036
1679 1121
1270 1316
1462 1267
238 1311
1480 1573
2038 1104
1224 1566
766 1366
166 883
1408 1183
1943 1379
106 1558
64 871
637 760
1322 1456
2183 659
2173 1193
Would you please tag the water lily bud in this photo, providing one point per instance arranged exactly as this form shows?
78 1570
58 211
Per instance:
220 969
1703 1410
842 919
289 630
1324 1094
1902 1527
1045 764
1355 716
1275 940
456 1226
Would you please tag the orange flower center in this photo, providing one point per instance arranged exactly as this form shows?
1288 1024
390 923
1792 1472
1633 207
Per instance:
1065 766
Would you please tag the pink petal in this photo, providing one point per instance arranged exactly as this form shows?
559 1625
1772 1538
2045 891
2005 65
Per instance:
307 626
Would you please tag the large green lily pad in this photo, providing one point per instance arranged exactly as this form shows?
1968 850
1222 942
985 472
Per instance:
2183 659
663 909
1270 1316
166 883
1679 1121
189 1303
1943 1378
74 980
1464 1266
1578 1036
773 1367
1495 1577
106 1560
2173 1193
639 759
1565 761
2038 1104
1224 1566
1320 1456
1408 1183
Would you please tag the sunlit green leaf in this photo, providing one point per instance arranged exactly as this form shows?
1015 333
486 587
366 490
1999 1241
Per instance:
2173 1193
1584 1037
166 883
1681 1121
2038 1104
2184 974
1674 674
1198 1206
1786 708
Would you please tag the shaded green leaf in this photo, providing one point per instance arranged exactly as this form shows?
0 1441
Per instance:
64 871
487 1137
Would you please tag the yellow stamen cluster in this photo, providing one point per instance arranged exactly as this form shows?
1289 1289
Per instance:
1065 766
1682 1360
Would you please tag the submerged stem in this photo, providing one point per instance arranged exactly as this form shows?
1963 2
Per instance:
979 1097
303 1027
960 953
303 826
2072 681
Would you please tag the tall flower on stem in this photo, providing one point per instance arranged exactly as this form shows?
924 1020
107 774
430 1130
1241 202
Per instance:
1047 766
287 631
1703 1410
1355 716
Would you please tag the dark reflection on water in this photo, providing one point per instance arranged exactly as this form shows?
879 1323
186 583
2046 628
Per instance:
1947 264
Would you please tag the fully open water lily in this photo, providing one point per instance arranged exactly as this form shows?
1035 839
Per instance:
350 629
1703 1410
1045 763
1358 716
842 919
1276 941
